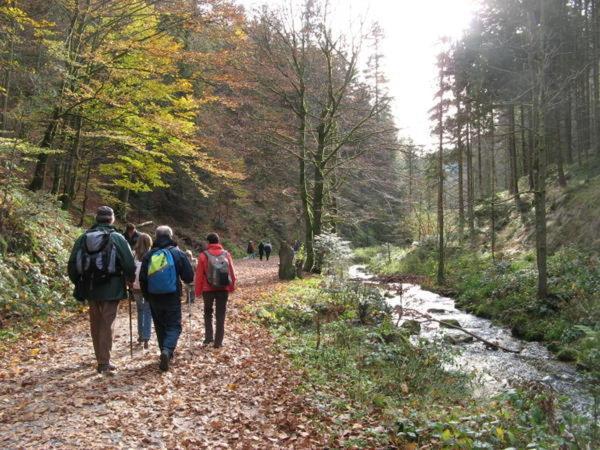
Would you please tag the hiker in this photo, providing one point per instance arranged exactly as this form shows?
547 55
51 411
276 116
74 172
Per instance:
100 266
250 250
131 235
189 290
297 245
163 269
261 250
144 316
268 250
215 279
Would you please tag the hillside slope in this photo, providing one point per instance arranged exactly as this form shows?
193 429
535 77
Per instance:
35 239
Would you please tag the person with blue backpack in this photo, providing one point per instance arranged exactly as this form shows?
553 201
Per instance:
163 269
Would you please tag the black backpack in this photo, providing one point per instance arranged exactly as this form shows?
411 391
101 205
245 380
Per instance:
96 259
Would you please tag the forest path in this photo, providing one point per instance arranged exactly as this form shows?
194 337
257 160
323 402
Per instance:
241 396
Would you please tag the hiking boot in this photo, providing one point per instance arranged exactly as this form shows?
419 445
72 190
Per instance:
165 358
207 341
145 343
106 368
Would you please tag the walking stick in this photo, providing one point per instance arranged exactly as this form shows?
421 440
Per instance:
190 287
130 324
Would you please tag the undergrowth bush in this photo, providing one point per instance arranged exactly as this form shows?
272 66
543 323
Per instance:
34 248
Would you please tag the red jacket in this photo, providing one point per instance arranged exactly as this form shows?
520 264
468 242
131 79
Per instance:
202 284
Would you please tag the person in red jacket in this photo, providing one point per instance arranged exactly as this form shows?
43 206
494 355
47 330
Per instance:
214 293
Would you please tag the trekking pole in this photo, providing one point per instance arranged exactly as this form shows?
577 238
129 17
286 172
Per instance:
130 296
190 287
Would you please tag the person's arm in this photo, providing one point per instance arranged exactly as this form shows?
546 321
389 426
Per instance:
72 264
231 271
144 274
200 274
184 268
125 256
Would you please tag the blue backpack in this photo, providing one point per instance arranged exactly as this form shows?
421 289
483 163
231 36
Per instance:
162 274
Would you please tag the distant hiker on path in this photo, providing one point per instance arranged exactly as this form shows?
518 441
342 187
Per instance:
297 245
268 250
131 235
250 250
144 315
215 279
101 264
261 250
163 269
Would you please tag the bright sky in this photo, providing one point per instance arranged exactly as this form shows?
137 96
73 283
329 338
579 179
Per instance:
412 33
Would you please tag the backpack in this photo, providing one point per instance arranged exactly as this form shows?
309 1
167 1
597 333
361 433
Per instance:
217 269
96 259
162 274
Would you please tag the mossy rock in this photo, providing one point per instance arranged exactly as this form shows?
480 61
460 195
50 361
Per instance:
411 326
567 355
458 338
450 323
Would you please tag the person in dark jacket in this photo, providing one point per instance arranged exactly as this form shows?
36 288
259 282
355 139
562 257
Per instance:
250 250
131 235
261 250
268 250
166 308
214 296
103 292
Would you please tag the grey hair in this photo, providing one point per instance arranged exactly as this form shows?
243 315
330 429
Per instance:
164 230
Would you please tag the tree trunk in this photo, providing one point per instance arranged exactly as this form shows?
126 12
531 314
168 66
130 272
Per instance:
85 194
287 268
562 180
459 149
39 175
569 128
538 77
479 162
470 181
493 184
440 191
512 148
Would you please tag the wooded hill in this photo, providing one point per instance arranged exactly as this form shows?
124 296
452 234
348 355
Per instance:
196 114
518 99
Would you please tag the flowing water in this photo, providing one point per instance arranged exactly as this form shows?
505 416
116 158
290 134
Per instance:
494 371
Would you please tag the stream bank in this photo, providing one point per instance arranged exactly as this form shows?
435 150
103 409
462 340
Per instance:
494 371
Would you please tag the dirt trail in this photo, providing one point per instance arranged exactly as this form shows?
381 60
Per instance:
241 396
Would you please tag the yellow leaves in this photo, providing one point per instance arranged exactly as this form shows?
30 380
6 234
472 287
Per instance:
446 435
500 433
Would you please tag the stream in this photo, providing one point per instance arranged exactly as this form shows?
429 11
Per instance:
495 371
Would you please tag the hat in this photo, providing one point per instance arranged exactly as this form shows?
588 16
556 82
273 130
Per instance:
104 214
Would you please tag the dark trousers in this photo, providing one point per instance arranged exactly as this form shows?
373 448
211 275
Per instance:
219 299
166 314
267 254
102 320
261 253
